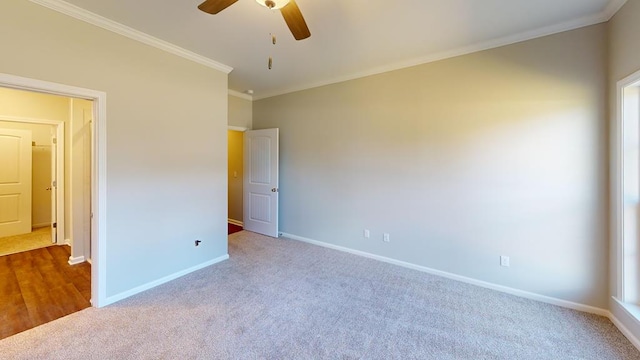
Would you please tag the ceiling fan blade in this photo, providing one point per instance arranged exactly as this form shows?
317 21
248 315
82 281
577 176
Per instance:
215 6
295 21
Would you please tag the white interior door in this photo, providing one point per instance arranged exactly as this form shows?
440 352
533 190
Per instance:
15 182
261 181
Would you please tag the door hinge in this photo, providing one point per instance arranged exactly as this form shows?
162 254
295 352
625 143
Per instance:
54 140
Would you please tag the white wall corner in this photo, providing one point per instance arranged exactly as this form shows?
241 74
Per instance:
107 24
240 95
464 279
612 8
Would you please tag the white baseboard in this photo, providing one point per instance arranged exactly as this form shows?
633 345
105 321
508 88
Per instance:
76 260
484 284
41 225
631 315
235 222
67 242
123 295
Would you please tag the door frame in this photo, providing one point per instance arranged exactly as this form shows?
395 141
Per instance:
98 170
59 126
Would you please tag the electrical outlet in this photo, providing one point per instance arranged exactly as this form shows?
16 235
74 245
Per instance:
367 234
386 237
504 261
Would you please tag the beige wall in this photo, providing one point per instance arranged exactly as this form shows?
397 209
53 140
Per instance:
624 60
80 176
500 152
235 174
166 134
40 166
240 112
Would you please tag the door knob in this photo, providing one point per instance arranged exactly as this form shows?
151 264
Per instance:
274 190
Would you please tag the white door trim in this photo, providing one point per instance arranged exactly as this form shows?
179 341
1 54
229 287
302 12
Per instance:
617 213
59 124
98 170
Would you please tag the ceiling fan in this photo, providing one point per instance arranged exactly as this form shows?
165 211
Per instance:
289 9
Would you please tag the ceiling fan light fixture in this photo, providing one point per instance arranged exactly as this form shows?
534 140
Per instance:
273 4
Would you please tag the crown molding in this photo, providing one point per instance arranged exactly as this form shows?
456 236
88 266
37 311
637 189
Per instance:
612 8
603 16
100 21
240 95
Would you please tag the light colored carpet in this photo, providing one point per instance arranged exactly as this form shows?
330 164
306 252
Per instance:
282 299
36 239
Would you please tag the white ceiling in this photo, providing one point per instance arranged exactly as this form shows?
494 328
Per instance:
349 38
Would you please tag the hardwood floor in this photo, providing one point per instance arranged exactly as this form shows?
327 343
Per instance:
39 286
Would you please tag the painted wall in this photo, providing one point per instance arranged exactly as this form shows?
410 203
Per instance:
240 112
33 105
501 152
40 168
80 179
166 139
235 174
624 60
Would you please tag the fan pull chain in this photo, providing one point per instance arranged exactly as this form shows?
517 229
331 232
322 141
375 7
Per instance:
273 42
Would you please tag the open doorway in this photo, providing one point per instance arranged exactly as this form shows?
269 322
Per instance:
28 182
51 279
235 179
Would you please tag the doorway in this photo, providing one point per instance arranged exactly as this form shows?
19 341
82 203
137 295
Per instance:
235 178
29 182
98 170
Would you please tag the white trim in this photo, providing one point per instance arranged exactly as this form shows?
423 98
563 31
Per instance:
100 21
490 44
629 314
617 183
464 279
235 222
237 128
66 242
99 178
240 95
60 164
76 260
152 284
612 8
40 225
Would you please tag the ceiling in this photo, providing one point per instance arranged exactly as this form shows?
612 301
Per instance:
349 38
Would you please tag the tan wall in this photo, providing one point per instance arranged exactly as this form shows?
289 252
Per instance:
235 175
40 166
240 112
166 129
501 152
80 179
